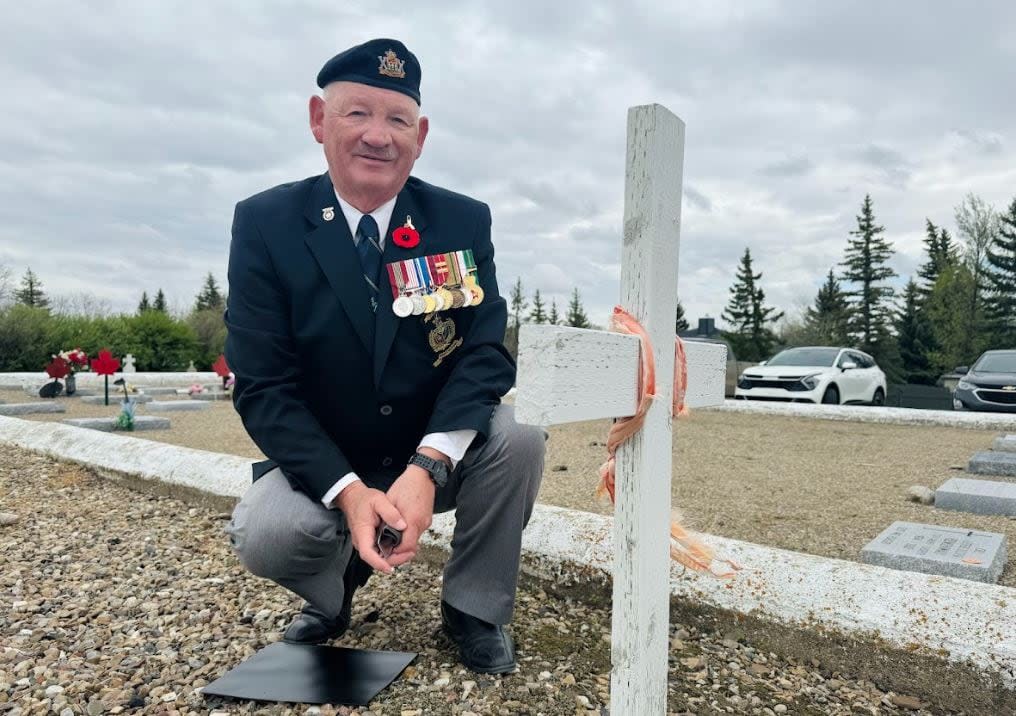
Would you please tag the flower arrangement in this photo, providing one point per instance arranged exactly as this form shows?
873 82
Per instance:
125 420
76 360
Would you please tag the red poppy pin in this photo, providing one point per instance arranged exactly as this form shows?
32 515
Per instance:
406 236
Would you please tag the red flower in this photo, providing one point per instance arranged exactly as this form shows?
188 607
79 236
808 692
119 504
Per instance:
105 364
78 357
220 367
58 368
406 236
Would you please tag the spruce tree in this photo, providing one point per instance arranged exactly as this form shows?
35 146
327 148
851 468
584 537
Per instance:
941 253
538 314
160 302
210 298
827 321
1000 278
866 263
518 303
680 322
30 293
751 337
915 338
553 318
144 305
576 316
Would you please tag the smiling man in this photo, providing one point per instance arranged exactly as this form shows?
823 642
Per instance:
365 332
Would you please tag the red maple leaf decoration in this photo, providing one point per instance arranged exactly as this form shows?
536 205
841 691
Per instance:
105 364
220 367
58 368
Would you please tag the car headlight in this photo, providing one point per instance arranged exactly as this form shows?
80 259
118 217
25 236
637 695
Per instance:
810 381
965 385
742 382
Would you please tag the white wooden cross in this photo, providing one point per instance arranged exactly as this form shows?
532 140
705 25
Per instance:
128 364
570 374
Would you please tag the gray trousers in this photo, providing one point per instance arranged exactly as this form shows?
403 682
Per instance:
283 535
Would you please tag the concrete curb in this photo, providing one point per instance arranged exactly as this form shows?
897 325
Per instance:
853 610
870 414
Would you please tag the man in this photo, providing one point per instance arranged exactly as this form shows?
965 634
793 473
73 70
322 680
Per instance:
369 418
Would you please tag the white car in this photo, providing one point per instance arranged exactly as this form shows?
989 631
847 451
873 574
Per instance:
815 375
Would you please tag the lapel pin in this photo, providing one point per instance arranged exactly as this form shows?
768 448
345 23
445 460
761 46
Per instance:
328 213
406 236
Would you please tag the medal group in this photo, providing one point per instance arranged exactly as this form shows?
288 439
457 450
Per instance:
439 282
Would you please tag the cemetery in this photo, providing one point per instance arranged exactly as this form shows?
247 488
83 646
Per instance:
845 595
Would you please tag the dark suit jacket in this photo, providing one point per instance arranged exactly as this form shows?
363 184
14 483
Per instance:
324 385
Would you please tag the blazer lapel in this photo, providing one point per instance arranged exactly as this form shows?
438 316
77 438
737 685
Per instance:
332 246
386 322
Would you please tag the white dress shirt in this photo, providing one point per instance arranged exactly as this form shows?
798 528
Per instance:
453 444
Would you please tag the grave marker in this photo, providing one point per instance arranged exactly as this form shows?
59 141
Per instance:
982 497
1000 464
31 408
568 374
162 406
115 399
966 554
1006 443
212 395
106 425
128 364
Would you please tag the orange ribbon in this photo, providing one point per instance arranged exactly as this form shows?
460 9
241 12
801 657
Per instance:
685 548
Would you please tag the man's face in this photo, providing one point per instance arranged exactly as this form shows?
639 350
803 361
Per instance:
371 137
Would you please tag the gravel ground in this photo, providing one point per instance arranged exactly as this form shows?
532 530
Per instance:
113 601
814 486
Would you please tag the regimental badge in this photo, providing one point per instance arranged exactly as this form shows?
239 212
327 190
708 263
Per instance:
442 338
328 213
391 65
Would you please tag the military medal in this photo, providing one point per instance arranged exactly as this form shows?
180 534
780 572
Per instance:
429 304
406 236
419 305
402 306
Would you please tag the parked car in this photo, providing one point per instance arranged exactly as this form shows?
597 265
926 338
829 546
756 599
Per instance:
816 374
990 384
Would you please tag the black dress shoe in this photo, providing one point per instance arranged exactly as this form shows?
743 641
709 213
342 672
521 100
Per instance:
311 626
483 647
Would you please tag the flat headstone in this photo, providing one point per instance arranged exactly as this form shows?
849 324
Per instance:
214 395
157 391
983 497
108 425
1007 443
115 398
31 408
162 406
993 463
966 554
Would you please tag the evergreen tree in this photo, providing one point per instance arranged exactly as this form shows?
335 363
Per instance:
915 338
30 293
160 302
144 305
826 321
941 253
553 319
953 326
538 314
866 262
210 298
751 337
1000 278
518 303
576 316
680 322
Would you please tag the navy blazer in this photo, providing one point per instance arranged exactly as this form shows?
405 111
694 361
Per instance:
325 386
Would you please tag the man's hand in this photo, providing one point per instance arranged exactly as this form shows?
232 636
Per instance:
365 508
413 495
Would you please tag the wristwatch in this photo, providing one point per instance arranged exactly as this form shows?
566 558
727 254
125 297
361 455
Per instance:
437 469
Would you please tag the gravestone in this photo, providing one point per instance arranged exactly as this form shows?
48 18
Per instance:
162 406
116 398
158 391
31 408
1006 443
953 552
982 497
1000 464
212 395
128 364
191 368
108 425
568 374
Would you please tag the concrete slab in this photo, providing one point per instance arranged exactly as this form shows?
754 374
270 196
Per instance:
115 398
1002 464
157 390
163 406
960 553
32 408
108 425
91 380
982 497
212 396
1006 443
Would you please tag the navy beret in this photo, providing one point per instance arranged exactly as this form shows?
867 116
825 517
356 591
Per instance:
383 63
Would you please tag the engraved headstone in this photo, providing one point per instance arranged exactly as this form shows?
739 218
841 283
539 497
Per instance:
128 364
107 425
953 552
162 406
1007 443
31 408
982 497
161 390
1001 464
212 395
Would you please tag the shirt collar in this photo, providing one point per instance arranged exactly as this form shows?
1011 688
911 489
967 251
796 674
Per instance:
382 215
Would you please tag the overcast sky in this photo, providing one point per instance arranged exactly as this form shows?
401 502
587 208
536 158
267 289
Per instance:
130 129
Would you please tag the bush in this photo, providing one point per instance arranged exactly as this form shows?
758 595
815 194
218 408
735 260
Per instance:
210 330
159 342
26 342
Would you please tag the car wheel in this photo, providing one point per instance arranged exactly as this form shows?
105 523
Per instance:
878 398
831 396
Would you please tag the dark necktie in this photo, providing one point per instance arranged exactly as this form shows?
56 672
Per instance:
369 247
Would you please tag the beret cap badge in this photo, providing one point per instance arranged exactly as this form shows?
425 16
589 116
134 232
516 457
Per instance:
391 65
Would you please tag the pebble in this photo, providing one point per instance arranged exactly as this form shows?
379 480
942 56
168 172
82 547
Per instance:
922 494
7 518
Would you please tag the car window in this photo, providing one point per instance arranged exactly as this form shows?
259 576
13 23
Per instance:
997 363
822 357
862 360
844 357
